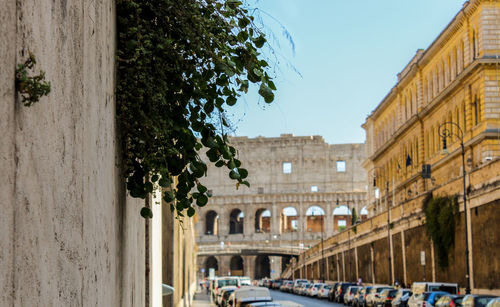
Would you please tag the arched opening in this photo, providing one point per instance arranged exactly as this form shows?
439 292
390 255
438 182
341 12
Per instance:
236 266
236 221
211 263
363 214
341 217
286 260
263 221
211 223
289 220
315 219
262 267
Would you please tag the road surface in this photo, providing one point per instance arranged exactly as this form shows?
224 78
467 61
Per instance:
303 300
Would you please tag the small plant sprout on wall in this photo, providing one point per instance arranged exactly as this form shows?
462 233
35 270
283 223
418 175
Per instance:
31 88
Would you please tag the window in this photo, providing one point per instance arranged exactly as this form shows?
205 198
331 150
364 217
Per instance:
260 190
341 166
287 167
314 188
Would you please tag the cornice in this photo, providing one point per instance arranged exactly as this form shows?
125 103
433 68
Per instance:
288 197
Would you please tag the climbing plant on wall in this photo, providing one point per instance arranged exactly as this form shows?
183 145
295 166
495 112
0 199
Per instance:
180 64
440 222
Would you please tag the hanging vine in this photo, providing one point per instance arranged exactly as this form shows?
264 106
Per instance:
440 221
180 64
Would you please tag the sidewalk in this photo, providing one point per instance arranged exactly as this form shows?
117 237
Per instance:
201 299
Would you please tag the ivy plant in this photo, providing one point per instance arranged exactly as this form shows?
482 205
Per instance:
180 65
440 222
31 88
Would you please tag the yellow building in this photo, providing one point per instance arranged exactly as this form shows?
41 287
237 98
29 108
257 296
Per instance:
452 86
455 80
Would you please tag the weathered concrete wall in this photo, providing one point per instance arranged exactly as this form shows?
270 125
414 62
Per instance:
70 237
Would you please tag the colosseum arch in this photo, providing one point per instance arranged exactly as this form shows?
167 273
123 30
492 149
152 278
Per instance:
315 219
236 266
262 267
263 221
211 223
211 263
341 217
289 220
236 219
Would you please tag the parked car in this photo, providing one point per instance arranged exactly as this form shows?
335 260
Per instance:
332 292
220 282
494 302
450 300
313 291
340 291
421 287
349 294
426 299
302 288
324 291
247 295
385 298
225 296
306 288
361 302
277 284
374 294
220 293
473 300
287 284
245 281
401 298
297 283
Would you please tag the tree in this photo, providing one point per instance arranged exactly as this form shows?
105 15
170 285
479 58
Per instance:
180 64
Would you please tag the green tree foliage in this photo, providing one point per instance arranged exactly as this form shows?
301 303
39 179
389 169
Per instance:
180 65
354 216
31 88
440 221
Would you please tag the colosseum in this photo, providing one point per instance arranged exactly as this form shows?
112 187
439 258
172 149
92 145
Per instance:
302 190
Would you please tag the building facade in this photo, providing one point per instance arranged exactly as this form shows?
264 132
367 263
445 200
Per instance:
446 96
301 188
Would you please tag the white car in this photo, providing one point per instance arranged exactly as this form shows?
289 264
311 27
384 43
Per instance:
313 291
324 291
245 281
220 282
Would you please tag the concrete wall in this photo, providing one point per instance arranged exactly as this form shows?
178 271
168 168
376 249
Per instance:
70 236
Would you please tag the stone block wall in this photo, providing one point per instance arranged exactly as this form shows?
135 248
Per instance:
70 235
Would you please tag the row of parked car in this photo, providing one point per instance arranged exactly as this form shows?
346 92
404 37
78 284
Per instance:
421 294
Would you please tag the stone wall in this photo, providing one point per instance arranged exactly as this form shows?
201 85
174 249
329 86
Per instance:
70 236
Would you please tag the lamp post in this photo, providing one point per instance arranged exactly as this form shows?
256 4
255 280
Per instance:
446 132
389 266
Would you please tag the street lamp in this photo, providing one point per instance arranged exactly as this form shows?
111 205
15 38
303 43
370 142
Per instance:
388 222
446 132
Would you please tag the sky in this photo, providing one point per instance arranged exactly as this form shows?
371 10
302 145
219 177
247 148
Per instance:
348 55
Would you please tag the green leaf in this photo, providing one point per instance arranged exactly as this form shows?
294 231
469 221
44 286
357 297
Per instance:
154 178
266 93
259 41
191 211
201 188
202 200
219 163
231 100
246 183
243 173
168 196
146 213
234 175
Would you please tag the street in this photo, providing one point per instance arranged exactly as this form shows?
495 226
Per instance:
303 300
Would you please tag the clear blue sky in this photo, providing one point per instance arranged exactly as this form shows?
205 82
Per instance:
348 53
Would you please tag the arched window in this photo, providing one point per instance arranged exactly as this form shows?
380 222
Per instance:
341 217
211 263
289 220
236 219
263 221
315 219
211 223
262 267
363 213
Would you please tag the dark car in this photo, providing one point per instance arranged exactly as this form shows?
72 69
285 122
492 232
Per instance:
401 298
473 300
277 284
341 289
331 293
386 297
